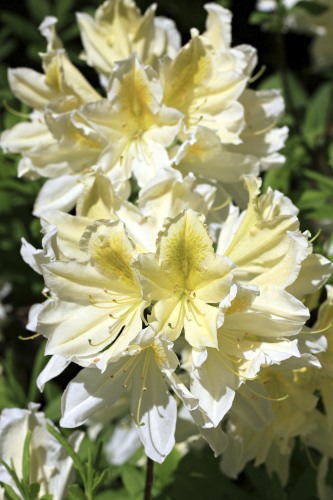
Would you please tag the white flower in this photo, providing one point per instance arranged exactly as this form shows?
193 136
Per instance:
49 464
143 371
118 30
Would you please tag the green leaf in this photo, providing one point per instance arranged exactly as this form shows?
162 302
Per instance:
53 398
26 458
63 7
112 494
38 9
10 493
134 480
79 466
297 90
19 26
317 115
13 384
330 155
314 8
39 363
75 493
164 473
322 180
257 17
12 472
47 496
33 491
266 487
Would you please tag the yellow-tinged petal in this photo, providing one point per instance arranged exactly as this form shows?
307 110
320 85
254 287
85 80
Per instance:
184 277
111 251
185 249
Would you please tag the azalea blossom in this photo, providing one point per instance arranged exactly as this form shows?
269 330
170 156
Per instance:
118 30
212 125
50 466
185 277
143 370
99 303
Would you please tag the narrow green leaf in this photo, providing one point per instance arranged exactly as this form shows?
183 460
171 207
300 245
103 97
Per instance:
33 491
10 493
79 466
12 472
47 496
26 458
323 180
133 479
38 10
317 115
75 493
63 7
98 479
39 363
314 8
297 90
19 26
13 384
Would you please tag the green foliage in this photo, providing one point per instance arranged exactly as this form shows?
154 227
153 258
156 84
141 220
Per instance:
313 8
318 115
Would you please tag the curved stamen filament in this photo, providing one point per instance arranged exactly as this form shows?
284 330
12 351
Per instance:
260 131
143 387
259 73
223 205
31 337
267 398
327 327
19 114
237 374
178 320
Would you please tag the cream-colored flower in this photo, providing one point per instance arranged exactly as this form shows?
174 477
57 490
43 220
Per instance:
322 378
287 409
145 370
118 30
133 127
211 149
43 154
205 87
50 466
98 307
186 278
262 316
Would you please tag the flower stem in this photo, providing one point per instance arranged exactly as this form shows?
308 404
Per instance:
149 479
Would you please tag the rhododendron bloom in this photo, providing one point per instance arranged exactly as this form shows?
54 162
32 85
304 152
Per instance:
185 277
50 466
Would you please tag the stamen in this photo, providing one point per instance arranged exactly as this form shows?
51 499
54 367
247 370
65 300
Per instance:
143 387
318 233
237 374
219 207
256 77
260 131
321 330
31 337
267 398
13 111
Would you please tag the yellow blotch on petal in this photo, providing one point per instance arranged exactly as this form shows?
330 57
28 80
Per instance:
188 71
185 247
136 98
112 253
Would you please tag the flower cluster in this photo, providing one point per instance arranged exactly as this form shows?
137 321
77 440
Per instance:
171 279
